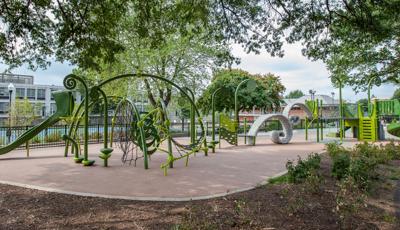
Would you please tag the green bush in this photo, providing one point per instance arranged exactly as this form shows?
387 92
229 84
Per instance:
341 164
363 170
303 169
53 137
36 140
334 149
392 150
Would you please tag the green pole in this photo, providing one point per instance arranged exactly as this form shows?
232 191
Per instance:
341 130
369 93
70 83
306 127
244 130
213 118
192 118
316 104
237 106
322 124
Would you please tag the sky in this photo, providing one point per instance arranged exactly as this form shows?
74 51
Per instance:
295 70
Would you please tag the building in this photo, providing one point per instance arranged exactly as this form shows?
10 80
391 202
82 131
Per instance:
40 96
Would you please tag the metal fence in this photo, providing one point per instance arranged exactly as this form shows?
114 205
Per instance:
52 136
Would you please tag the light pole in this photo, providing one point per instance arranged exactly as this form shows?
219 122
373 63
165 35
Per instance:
11 88
312 93
369 92
333 98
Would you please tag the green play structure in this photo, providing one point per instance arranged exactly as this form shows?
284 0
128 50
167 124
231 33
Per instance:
363 119
65 105
133 131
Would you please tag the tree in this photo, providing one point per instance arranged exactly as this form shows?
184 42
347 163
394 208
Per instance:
396 94
357 40
186 60
263 96
294 94
23 112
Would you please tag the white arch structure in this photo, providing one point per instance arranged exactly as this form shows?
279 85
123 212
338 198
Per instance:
278 137
301 104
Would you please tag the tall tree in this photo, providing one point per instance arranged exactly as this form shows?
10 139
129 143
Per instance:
295 94
266 95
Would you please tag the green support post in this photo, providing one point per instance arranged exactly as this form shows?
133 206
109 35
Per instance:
316 106
306 127
322 124
244 130
105 151
70 83
213 119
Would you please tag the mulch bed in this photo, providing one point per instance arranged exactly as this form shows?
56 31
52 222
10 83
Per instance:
285 206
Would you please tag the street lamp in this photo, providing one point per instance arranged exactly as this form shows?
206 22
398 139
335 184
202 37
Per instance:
11 88
312 93
333 97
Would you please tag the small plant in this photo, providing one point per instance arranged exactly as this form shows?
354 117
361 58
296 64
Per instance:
304 168
36 140
53 137
349 200
341 165
334 149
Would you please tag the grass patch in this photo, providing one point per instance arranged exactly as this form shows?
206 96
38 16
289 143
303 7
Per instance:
283 179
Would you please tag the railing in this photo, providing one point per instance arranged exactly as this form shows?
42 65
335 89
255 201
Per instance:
52 136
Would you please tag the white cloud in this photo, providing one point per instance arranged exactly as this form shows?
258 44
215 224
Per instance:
297 72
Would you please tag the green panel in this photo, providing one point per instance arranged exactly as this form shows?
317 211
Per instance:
228 129
394 129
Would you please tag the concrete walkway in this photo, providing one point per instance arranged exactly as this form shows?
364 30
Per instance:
232 168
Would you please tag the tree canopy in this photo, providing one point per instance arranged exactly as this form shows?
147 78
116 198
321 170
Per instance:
357 40
267 94
294 94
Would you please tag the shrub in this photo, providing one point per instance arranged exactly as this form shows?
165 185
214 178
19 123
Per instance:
349 200
334 149
53 137
363 169
36 139
303 169
341 165
392 150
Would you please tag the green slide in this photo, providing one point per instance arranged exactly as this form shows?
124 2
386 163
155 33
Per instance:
394 129
65 106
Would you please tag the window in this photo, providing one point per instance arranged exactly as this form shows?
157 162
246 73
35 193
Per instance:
4 94
41 94
30 93
4 107
20 93
52 90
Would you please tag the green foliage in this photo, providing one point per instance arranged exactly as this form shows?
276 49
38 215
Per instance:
23 112
396 94
294 94
279 179
298 172
264 96
53 137
349 199
360 163
341 165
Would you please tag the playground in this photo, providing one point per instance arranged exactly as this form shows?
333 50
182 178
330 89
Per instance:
226 172
140 160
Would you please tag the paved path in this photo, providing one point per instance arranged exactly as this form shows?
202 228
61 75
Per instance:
232 168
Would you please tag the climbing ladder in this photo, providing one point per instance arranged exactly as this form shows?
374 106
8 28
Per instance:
368 129
368 125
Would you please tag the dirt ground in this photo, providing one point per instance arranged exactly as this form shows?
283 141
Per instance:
284 206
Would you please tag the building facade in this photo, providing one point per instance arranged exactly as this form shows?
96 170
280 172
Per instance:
40 96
